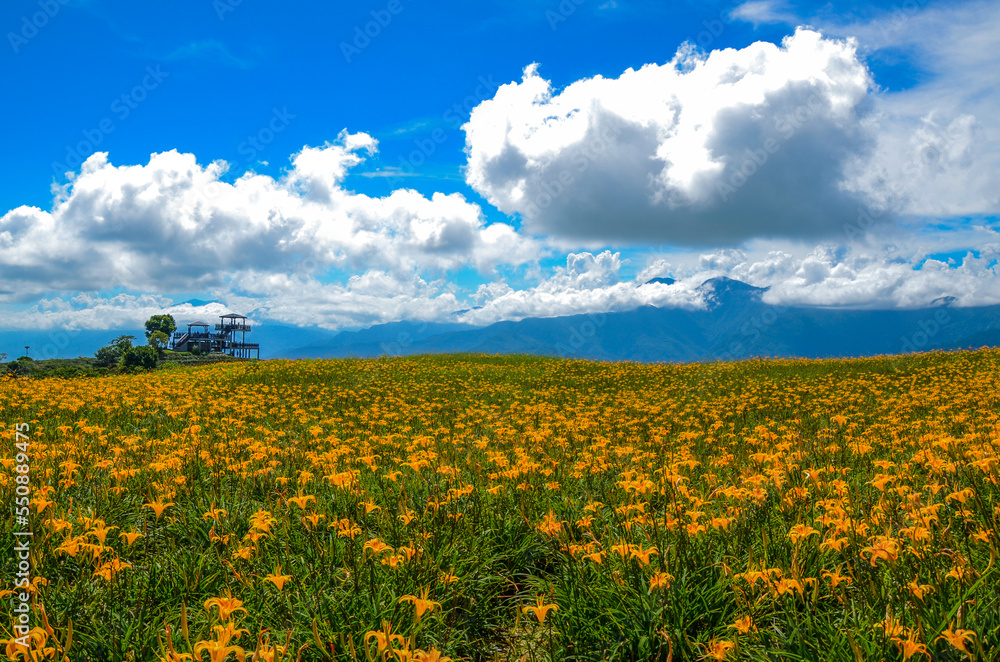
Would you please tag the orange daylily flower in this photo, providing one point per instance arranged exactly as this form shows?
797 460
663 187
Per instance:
219 648
642 555
540 610
421 604
800 532
302 500
433 655
111 568
158 507
227 606
383 638
377 546
718 650
660 580
743 625
957 638
214 513
130 537
277 578
884 548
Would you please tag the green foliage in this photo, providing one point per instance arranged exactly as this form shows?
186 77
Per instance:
106 357
158 340
66 368
160 323
110 355
139 358
122 342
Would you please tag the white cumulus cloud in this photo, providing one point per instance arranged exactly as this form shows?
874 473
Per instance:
587 284
173 225
702 150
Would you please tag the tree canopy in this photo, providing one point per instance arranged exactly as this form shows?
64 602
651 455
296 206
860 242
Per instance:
109 355
163 323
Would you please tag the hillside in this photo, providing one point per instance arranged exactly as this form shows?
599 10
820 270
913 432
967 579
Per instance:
737 323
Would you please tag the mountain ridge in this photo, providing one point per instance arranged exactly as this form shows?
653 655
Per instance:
736 324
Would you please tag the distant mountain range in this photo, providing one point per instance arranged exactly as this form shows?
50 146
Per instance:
736 324
276 340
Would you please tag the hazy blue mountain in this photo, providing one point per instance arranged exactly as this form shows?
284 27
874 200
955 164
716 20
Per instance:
275 339
61 343
988 338
392 339
736 324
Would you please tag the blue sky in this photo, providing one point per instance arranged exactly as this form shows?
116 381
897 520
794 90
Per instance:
402 159
227 67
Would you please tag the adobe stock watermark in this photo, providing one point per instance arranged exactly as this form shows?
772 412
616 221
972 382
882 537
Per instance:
403 340
752 331
33 23
552 188
929 155
371 30
582 334
256 143
59 340
21 610
754 159
899 16
927 329
455 117
249 148
713 29
562 12
223 7
122 107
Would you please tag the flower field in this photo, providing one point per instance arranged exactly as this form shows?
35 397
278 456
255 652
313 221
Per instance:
474 507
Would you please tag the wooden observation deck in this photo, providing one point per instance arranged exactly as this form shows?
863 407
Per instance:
228 337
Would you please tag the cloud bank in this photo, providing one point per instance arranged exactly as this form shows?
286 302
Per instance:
175 226
703 150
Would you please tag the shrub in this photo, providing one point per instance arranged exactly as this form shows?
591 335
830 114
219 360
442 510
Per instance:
106 357
139 358
109 355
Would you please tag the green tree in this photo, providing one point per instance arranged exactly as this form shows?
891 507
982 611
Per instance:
158 340
162 323
109 355
105 357
139 358
121 343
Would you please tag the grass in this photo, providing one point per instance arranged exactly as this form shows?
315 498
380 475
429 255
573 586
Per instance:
536 509
84 366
